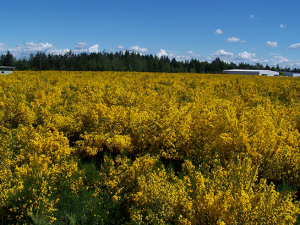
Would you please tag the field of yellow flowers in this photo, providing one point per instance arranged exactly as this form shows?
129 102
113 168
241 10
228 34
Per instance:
148 148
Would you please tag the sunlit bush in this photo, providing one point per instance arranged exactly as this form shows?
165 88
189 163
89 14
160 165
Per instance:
232 132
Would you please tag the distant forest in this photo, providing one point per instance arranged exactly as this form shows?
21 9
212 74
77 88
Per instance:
124 61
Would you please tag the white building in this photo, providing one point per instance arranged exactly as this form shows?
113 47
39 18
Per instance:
292 74
5 70
252 72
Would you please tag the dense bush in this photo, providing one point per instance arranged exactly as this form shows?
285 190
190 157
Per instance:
148 148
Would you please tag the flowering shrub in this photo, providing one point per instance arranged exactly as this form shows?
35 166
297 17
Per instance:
233 133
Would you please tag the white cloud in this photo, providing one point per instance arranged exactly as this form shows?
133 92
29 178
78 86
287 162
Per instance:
230 57
180 58
30 47
255 60
217 32
297 63
192 54
47 48
251 16
135 49
283 61
221 53
80 45
245 56
138 49
177 57
172 55
234 39
271 44
94 49
40 47
59 51
161 53
281 58
282 26
294 46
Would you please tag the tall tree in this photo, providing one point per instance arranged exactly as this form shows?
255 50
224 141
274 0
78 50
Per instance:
8 59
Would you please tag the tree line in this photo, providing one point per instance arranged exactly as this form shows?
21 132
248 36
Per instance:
124 61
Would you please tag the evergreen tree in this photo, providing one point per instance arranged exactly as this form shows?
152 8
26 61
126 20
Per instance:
123 61
8 60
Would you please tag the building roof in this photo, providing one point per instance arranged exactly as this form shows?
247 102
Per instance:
286 72
244 70
7 67
252 72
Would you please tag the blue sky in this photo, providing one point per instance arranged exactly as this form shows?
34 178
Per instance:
234 30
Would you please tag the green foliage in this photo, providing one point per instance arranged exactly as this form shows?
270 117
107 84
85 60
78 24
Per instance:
282 73
39 220
7 60
120 61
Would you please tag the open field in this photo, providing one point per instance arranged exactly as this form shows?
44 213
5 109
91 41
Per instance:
148 148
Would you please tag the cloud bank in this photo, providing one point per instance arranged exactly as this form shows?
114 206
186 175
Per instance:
47 48
135 49
248 57
138 49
